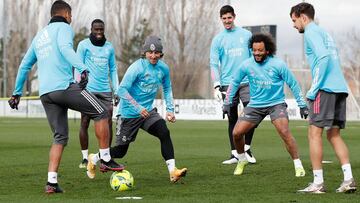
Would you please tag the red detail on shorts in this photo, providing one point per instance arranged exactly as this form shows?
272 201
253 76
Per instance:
317 104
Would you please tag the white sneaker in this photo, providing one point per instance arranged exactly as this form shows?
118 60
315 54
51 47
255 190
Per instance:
313 188
232 160
348 186
250 157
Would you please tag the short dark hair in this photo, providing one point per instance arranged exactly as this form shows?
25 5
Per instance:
58 6
97 21
227 9
268 41
303 8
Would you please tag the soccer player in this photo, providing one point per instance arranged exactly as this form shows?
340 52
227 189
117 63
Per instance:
326 97
266 74
99 56
228 50
52 48
137 91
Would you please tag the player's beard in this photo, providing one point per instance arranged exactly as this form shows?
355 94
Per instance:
262 59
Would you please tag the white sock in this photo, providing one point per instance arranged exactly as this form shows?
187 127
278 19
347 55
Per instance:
105 154
52 177
170 165
242 157
318 176
234 153
246 147
95 158
346 168
85 153
297 163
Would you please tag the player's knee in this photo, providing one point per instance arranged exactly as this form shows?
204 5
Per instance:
162 133
104 114
85 123
236 135
284 132
160 130
61 139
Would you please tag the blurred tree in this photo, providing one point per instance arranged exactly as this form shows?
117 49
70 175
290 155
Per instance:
132 49
19 34
350 54
79 36
188 28
1 65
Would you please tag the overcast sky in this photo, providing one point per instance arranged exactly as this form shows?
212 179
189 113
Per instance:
336 16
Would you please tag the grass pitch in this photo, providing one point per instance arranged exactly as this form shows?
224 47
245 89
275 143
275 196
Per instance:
200 146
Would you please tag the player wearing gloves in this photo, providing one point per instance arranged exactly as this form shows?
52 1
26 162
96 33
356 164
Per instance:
98 55
266 74
137 91
327 98
52 49
228 50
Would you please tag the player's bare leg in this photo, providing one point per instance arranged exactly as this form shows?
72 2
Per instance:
239 131
348 185
55 155
315 146
282 127
340 148
84 139
102 132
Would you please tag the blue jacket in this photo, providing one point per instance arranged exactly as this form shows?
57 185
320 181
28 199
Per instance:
228 50
101 63
322 55
52 49
139 87
266 81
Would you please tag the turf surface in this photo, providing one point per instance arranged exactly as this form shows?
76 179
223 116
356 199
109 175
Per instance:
200 146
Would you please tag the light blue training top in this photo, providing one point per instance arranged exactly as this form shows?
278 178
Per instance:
322 55
101 63
52 49
266 81
228 50
139 87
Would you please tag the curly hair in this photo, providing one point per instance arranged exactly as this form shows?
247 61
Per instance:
268 41
303 8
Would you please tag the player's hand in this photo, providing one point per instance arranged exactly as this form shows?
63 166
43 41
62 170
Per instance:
116 100
144 113
170 117
14 101
226 110
218 95
84 79
304 112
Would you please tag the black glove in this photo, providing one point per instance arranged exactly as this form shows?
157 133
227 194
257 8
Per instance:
84 79
116 100
304 112
226 110
14 101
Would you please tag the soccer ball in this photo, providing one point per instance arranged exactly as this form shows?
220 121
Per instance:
121 180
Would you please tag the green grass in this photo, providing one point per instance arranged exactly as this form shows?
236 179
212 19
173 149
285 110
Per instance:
199 145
